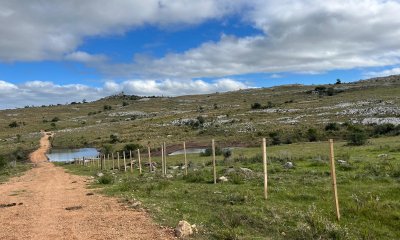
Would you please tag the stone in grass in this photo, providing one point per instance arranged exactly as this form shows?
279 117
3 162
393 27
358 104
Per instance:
222 179
174 167
184 229
169 176
288 165
342 162
100 174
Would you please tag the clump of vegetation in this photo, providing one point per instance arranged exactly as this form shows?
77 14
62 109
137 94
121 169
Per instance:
55 119
357 136
114 138
107 108
208 152
13 124
105 179
332 127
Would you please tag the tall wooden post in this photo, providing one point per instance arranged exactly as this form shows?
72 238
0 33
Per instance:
140 164
119 166
124 161
184 152
113 161
214 162
150 164
108 160
131 160
333 174
264 149
162 159
165 159
101 162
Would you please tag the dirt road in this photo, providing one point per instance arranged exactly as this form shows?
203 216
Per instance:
42 196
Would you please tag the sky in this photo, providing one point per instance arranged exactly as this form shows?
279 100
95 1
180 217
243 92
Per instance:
56 51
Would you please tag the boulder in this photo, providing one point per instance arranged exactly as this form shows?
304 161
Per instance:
184 229
222 179
288 165
100 174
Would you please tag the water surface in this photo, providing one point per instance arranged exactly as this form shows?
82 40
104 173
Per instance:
65 155
188 151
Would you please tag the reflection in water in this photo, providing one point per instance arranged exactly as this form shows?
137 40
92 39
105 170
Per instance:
188 151
64 155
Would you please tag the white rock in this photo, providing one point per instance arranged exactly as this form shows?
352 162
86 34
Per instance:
100 174
184 229
341 161
288 165
223 179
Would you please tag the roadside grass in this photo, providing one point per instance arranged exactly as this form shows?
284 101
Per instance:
300 201
10 171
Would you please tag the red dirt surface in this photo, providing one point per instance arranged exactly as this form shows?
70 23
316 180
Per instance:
42 195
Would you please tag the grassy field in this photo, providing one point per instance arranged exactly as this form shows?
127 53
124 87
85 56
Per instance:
300 203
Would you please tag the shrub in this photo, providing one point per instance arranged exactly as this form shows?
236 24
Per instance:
3 163
276 138
357 136
256 105
384 129
131 147
107 107
208 152
55 119
227 153
106 179
125 103
114 138
312 134
332 127
13 124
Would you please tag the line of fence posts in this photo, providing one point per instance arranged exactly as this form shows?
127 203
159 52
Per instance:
101 163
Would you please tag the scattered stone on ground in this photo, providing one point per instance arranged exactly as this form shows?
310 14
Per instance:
222 179
73 208
289 165
184 229
342 162
169 176
100 174
89 194
174 167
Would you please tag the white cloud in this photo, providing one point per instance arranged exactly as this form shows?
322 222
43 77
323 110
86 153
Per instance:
387 72
43 93
302 36
80 56
37 30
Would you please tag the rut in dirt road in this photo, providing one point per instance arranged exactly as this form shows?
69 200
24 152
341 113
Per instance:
42 195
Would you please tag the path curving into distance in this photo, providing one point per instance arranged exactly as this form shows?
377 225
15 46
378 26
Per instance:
42 195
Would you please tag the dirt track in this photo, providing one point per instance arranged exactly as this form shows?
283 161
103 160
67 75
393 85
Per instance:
45 191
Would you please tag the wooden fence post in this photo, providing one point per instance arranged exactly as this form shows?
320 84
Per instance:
184 152
130 159
333 174
214 163
264 149
119 166
150 164
162 159
165 159
140 164
124 161
108 159
113 161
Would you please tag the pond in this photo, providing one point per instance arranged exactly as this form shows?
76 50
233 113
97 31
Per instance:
65 155
188 151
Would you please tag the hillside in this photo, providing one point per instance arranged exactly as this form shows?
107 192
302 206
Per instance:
233 118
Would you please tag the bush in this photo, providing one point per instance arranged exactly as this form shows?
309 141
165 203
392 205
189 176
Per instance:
208 152
384 129
107 107
3 163
114 138
55 119
357 136
13 124
312 134
227 153
132 147
256 105
332 127
105 179
276 138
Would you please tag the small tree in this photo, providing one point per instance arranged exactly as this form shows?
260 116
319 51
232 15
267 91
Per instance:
338 81
256 105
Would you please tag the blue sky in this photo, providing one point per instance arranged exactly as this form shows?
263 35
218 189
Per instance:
61 52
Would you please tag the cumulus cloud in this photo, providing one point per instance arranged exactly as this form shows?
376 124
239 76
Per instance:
38 30
301 36
42 92
388 72
84 57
